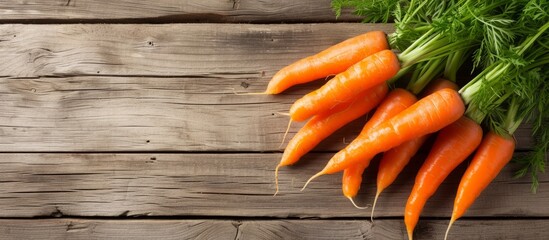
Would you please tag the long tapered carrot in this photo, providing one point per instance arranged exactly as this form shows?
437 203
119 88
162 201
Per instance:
452 146
394 160
492 155
371 71
398 100
427 115
331 61
321 126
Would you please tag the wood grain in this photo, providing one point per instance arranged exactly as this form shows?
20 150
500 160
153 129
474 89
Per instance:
153 114
108 104
115 89
117 229
230 185
72 228
162 11
193 50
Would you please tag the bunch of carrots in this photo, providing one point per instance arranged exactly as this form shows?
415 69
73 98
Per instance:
508 45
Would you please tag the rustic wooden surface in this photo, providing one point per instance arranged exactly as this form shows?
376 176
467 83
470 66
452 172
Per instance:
71 228
227 185
100 113
124 128
169 11
184 86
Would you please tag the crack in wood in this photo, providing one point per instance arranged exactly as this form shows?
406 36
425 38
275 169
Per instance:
124 214
71 227
236 4
57 213
237 225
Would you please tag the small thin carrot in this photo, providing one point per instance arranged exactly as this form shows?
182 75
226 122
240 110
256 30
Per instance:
452 146
394 160
495 151
398 100
427 115
324 124
371 71
331 61
392 163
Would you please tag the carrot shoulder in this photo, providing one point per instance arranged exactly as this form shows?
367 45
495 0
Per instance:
438 84
369 72
331 61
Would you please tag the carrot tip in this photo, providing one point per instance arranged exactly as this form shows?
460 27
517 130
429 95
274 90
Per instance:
276 179
285 133
374 206
252 93
448 229
310 179
283 113
354 204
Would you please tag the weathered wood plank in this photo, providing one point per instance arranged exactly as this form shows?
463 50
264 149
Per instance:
197 50
117 229
198 112
162 11
267 229
393 229
152 114
223 185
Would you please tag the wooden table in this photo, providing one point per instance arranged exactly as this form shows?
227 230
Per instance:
118 119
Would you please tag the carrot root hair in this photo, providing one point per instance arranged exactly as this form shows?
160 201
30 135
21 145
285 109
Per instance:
329 76
310 179
285 133
276 179
410 235
374 206
252 93
448 229
283 113
354 204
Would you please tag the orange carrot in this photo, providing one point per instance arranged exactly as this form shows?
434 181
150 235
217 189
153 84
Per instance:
492 155
369 72
427 115
331 61
452 146
395 102
392 163
322 125
394 160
